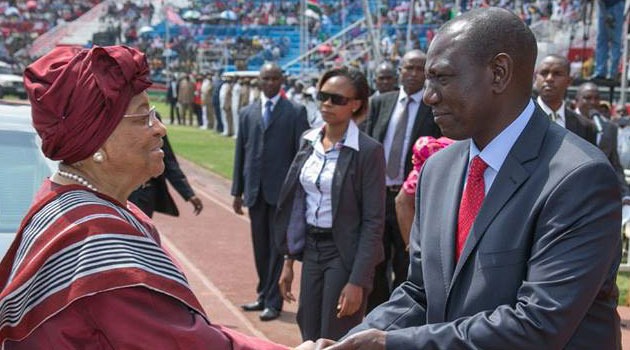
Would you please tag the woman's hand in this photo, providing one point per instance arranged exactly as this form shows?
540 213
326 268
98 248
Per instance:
350 300
286 279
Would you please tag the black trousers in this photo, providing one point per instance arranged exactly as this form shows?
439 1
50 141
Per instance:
323 278
395 252
268 260
175 112
199 113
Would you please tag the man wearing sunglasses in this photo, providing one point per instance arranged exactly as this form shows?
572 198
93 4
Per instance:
397 119
268 138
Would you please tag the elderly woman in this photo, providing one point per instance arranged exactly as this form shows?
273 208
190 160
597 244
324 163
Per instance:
86 270
331 212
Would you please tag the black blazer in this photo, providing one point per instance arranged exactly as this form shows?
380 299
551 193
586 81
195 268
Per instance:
358 206
381 110
263 156
538 268
162 201
580 126
608 145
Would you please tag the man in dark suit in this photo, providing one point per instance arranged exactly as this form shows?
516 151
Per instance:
515 242
606 132
154 195
171 98
552 82
268 139
397 119
385 78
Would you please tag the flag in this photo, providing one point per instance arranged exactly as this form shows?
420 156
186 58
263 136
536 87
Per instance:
312 5
173 17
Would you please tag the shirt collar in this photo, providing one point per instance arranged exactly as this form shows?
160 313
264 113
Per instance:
417 97
273 100
548 110
350 139
496 151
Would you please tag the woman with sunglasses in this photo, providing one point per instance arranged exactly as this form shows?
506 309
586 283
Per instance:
331 212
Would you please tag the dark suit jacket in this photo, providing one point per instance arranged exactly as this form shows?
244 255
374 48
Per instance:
263 156
163 201
608 145
171 96
580 126
538 269
358 206
381 109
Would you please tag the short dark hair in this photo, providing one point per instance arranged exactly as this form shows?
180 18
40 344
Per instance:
358 81
565 61
494 30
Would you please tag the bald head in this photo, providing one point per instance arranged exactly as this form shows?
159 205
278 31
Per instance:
587 99
487 32
414 54
271 79
385 77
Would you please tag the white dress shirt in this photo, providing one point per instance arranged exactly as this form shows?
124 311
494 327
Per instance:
264 99
318 171
560 117
391 130
496 151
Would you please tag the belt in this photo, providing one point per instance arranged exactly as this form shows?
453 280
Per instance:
319 233
394 188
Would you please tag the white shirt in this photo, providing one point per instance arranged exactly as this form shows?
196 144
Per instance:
496 151
264 99
317 174
560 118
391 130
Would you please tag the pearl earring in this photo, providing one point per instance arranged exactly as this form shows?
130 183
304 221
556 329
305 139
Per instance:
98 157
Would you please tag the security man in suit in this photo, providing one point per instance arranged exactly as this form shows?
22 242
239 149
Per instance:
397 119
515 243
587 99
552 82
268 139
154 196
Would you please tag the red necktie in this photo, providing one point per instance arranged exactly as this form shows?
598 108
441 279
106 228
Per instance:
471 202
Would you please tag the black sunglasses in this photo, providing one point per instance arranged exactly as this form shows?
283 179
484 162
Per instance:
336 99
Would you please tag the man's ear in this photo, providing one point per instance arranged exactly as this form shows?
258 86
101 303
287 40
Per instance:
502 67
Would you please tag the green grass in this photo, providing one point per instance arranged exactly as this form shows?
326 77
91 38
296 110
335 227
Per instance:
203 147
623 282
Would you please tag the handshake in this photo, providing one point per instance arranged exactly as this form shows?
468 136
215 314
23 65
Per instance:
371 339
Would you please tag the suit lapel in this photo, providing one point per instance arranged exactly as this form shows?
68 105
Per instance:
389 106
257 115
419 122
277 112
511 176
571 123
294 171
345 157
450 205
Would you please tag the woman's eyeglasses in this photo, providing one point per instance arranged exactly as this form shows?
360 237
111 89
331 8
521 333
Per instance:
334 98
151 116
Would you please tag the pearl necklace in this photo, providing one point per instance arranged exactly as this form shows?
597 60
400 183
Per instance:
78 179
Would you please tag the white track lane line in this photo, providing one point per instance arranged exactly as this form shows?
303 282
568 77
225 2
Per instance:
219 203
212 288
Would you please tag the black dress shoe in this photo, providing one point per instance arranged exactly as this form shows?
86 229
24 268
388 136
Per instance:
269 314
257 305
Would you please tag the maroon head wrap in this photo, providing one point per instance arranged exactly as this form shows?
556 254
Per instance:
78 97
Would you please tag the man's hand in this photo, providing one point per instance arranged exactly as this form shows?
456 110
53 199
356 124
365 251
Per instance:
307 345
237 205
350 300
372 339
286 279
197 205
